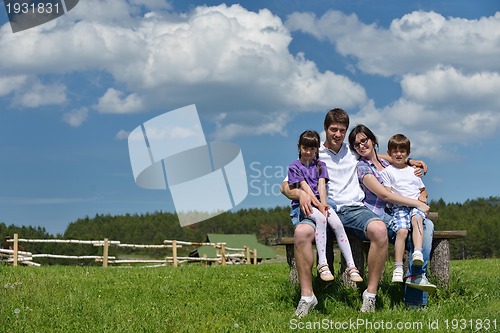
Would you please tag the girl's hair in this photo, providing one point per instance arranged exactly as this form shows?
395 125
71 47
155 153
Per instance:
362 129
310 139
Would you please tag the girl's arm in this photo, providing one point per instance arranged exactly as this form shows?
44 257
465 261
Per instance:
305 187
385 194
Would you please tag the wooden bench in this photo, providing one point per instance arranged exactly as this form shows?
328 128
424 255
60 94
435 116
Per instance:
439 264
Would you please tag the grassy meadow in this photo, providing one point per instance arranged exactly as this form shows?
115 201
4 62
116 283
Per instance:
237 298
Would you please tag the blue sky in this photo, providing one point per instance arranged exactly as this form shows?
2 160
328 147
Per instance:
259 72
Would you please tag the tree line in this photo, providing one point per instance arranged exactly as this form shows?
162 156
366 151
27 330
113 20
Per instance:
480 217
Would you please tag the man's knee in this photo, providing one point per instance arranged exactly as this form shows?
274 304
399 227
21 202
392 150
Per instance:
377 232
303 234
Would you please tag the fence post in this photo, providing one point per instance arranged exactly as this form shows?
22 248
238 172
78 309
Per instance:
247 249
255 256
174 252
105 253
16 249
223 254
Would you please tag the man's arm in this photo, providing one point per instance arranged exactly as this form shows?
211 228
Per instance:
419 164
302 197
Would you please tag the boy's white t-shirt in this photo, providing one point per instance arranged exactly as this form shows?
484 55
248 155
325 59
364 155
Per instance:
402 181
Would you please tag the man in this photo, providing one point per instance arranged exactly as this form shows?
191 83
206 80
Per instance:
357 219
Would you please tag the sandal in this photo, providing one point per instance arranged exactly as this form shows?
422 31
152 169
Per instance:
354 274
324 272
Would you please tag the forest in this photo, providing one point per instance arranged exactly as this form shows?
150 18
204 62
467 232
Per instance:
480 217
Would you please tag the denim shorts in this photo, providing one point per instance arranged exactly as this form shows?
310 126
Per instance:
298 217
356 219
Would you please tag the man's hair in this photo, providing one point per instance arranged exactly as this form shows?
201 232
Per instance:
336 116
398 141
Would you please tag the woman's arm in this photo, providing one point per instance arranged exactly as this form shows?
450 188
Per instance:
380 191
423 195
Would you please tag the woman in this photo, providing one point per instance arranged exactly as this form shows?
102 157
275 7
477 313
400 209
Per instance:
363 141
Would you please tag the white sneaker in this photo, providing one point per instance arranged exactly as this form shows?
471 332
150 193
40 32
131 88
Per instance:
417 258
304 307
368 303
397 275
420 282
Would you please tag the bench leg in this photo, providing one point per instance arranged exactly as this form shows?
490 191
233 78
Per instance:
290 259
440 261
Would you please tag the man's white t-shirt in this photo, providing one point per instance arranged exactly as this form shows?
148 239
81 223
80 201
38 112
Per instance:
402 181
343 187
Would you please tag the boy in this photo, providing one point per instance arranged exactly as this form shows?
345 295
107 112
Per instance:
400 179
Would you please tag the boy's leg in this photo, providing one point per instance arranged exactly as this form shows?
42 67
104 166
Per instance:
399 250
417 257
417 231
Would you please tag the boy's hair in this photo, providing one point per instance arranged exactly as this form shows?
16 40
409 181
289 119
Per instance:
336 116
398 141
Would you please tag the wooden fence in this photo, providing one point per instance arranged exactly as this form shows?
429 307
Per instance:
224 255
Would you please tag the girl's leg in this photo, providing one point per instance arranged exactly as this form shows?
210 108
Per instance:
338 229
320 235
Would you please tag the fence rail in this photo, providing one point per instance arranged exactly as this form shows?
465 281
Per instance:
15 256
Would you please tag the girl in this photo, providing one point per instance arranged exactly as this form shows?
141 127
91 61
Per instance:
310 175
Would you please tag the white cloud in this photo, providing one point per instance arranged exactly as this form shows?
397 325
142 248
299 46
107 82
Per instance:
211 56
123 135
112 102
448 87
75 118
447 69
9 84
39 95
416 42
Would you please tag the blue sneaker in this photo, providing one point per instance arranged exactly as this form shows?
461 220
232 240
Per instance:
420 282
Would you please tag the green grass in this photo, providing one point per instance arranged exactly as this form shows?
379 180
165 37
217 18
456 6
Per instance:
236 298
